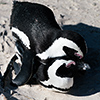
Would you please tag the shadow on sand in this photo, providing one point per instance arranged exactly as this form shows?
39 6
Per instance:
89 83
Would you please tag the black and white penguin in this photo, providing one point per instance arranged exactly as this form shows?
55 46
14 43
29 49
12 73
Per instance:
58 73
35 28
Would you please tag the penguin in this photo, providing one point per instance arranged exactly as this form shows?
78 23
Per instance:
58 73
34 27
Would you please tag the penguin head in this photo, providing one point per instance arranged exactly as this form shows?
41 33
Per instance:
61 61
73 48
77 58
57 75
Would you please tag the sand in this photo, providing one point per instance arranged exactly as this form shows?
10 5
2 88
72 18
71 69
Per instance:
82 16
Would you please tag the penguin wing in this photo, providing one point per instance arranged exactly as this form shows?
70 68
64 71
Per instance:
26 71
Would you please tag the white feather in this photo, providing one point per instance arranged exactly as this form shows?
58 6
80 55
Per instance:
22 36
56 49
63 83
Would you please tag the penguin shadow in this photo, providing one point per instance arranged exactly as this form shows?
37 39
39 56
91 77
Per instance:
89 83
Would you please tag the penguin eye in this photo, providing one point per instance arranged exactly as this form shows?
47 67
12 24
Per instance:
73 54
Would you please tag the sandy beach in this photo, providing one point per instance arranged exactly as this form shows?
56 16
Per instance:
81 16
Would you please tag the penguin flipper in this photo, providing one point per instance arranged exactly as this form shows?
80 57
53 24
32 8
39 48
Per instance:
8 73
26 71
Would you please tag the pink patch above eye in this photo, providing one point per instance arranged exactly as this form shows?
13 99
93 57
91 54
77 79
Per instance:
69 64
78 55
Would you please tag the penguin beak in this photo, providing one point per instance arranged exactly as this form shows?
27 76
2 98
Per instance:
86 66
82 66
